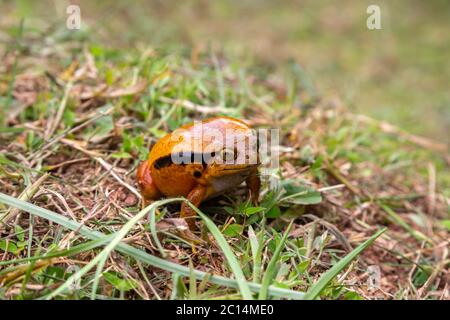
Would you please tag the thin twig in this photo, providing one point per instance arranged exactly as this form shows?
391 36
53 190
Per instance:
62 107
336 174
39 152
26 195
389 128
195 107
109 168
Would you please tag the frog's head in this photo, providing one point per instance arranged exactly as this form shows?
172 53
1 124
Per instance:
231 161
229 165
216 170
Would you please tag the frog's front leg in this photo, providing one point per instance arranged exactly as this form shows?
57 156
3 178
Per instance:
254 185
196 197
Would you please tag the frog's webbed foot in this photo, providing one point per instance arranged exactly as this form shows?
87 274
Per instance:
196 197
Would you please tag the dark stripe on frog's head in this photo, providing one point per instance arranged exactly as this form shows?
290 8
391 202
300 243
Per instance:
163 162
191 157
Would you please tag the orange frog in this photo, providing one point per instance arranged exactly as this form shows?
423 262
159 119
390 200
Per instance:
201 160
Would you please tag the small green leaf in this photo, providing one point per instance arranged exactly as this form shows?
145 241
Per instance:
317 163
421 275
109 76
305 197
119 283
274 212
102 127
311 197
296 193
21 244
8 246
229 210
121 155
157 133
351 295
302 266
69 118
307 154
252 210
446 224
270 200
20 233
233 230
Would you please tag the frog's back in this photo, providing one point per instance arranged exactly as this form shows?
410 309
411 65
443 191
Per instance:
192 136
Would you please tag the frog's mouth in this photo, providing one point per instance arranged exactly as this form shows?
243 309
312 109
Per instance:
239 168
228 178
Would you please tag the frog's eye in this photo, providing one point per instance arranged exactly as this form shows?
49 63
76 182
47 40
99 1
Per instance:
229 154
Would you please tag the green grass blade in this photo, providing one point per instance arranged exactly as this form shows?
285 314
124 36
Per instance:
256 244
137 253
326 278
174 293
229 255
100 259
397 219
86 246
192 283
97 276
153 232
272 266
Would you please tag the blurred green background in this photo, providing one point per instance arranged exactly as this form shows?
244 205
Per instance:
400 73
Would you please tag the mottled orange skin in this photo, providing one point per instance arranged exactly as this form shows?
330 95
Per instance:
197 181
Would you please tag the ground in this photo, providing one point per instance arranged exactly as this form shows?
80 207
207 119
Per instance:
79 114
